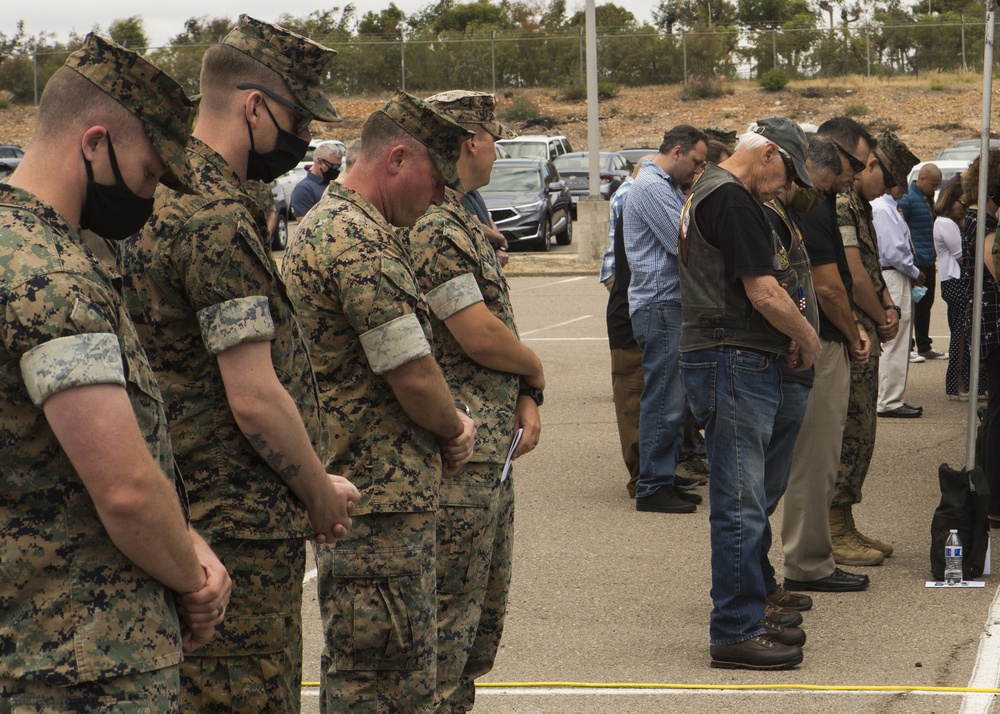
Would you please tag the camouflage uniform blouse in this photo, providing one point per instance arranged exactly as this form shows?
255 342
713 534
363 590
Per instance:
352 283
73 608
198 280
854 216
456 267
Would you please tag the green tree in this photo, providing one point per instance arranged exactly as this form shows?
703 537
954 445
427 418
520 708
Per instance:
129 32
609 16
386 23
770 13
182 59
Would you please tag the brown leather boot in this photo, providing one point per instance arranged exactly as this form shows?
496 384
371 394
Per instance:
847 548
880 545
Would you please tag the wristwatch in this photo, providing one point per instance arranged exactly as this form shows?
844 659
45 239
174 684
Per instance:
463 407
897 308
533 392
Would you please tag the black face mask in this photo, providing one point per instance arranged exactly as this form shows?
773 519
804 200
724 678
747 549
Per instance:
331 173
287 152
114 211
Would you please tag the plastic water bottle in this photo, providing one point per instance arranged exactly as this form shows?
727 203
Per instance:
953 558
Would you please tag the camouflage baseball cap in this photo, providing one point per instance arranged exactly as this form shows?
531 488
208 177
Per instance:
154 97
895 158
472 108
432 128
299 60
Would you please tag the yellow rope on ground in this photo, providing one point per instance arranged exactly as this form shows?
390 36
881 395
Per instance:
761 687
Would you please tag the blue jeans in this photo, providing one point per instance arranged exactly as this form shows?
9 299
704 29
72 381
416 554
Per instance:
778 462
735 394
657 329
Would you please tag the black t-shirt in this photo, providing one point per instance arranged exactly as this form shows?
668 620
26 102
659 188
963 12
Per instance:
732 220
620 335
824 245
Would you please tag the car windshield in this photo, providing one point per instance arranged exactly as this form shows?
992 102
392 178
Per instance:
514 180
527 150
965 153
580 162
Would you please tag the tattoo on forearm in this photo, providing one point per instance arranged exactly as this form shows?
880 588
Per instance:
275 459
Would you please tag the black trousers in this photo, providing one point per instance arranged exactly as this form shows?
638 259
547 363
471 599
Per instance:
922 311
991 432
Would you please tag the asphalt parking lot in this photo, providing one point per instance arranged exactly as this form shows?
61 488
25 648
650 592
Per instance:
604 595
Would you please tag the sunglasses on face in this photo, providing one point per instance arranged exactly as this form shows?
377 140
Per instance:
305 114
857 165
790 173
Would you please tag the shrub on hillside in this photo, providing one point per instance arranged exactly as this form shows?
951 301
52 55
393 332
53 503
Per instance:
773 80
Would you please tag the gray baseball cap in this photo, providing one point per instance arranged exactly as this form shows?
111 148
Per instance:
791 139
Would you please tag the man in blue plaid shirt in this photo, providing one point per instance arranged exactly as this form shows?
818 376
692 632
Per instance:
651 224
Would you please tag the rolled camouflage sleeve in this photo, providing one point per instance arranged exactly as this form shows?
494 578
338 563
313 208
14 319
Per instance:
68 362
236 322
454 296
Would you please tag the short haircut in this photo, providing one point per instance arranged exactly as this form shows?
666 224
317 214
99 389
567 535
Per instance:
847 132
223 67
380 133
947 196
752 140
353 149
822 155
970 179
327 150
716 149
71 102
683 135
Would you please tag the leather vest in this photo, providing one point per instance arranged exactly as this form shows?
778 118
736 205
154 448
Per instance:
716 312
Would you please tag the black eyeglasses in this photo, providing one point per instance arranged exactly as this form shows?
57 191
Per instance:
301 124
790 173
857 165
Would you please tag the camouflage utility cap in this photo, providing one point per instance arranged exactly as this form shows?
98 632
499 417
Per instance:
299 60
432 128
896 160
472 108
154 97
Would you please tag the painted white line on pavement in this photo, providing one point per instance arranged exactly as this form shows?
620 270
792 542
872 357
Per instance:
558 282
313 691
550 327
566 339
310 576
986 672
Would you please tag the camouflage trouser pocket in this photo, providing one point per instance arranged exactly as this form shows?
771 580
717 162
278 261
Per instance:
16 705
382 605
465 527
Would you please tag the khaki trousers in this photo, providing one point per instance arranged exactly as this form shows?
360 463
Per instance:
805 524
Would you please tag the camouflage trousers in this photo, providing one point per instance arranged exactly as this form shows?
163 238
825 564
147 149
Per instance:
254 662
859 435
154 691
474 548
377 598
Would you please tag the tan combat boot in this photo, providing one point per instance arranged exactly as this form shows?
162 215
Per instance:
847 549
880 545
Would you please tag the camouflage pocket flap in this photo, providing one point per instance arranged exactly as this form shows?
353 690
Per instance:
380 563
242 636
470 495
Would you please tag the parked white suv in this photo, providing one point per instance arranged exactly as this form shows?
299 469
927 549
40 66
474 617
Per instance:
536 146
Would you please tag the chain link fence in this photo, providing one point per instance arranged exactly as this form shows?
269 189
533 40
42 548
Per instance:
509 60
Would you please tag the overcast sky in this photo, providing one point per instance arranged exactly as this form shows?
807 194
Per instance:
166 18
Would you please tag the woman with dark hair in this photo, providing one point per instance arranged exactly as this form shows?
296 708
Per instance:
989 339
950 212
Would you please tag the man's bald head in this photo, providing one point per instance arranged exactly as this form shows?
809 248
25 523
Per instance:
928 179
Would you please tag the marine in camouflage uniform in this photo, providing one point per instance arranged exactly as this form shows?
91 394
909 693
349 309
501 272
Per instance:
82 626
457 270
351 280
202 287
854 216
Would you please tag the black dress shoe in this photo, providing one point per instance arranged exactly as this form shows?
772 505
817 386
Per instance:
756 653
903 412
688 496
911 406
686 484
836 582
663 500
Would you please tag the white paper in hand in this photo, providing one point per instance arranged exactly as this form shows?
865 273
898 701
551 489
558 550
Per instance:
510 454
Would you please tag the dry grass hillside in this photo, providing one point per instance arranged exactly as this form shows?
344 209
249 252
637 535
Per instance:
929 113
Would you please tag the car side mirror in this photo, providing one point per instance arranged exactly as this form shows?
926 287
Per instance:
557 185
